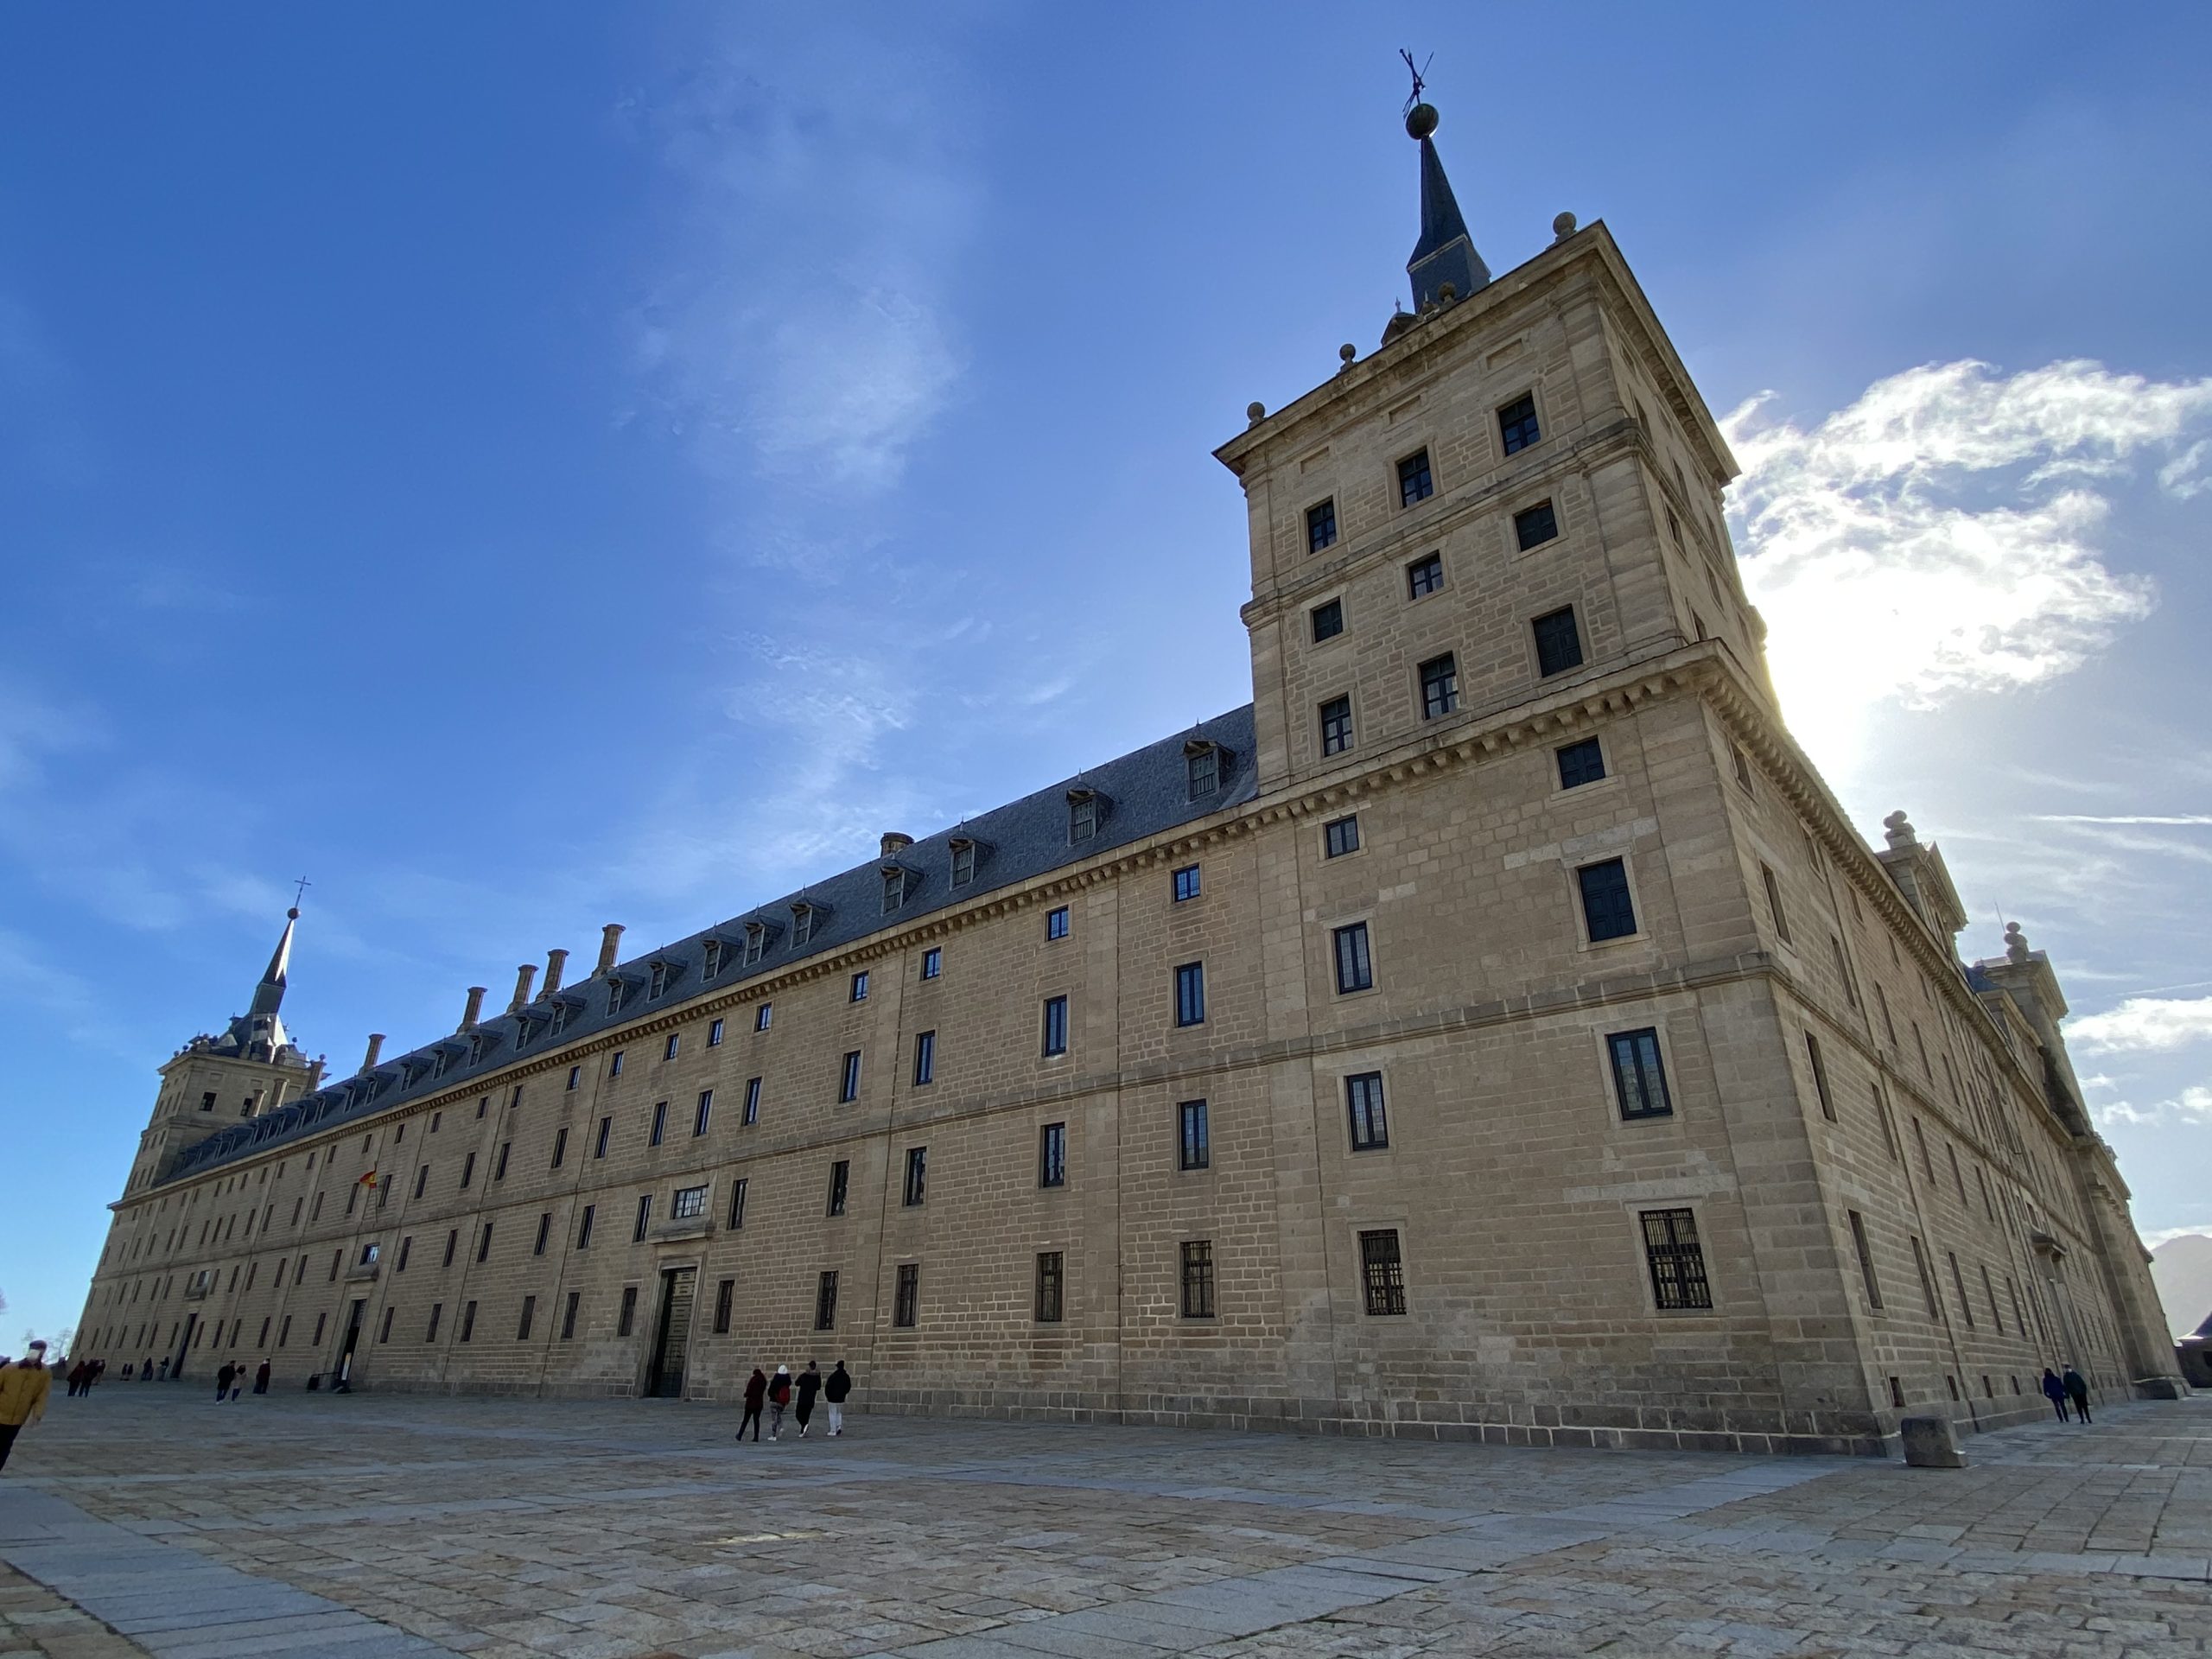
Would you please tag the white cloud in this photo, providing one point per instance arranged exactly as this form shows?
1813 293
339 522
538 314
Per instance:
2175 820
1942 536
2193 1105
2143 1022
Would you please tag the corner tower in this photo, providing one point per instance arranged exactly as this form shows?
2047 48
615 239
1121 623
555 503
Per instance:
251 1067
1518 493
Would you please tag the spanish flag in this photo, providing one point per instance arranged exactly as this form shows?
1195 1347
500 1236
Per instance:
369 1179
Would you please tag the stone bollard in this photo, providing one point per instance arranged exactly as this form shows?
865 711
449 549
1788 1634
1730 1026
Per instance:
1930 1443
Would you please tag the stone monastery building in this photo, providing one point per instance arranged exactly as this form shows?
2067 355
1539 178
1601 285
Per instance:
1495 1029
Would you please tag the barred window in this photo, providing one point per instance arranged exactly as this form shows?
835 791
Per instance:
1517 424
1676 1259
1321 525
825 1301
1370 1126
1534 526
1639 1077
1191 993
1339 836
1083 816
1581 763
1202 770
1050 1280
1382 1273
1195 1146
1198 1279
1558 642
1607 910
906 1308
1414 484
1354 967
1335 725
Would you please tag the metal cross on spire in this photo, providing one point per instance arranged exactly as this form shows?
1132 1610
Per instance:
300 890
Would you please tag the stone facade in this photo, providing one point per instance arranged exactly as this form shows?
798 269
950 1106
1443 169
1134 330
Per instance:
1873 1191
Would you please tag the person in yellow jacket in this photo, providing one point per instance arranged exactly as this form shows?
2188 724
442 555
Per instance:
22 1397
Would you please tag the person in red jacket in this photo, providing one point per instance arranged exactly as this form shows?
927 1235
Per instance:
779 1395
756 1392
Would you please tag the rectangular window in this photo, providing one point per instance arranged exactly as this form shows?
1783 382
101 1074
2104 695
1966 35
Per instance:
1191 993
1186 883
615 1063
841 1175
1082 816
963 862
1321 525
1335 725
384 1331
1198 1279
1989 1289
849 1079
1534 526
932 962
626 1320
1056 923
714 1033
467 1174
1517 424
1355 967
1056 1026
1424 577
1820 1077
583 1227
1843 971
1195 1147
1866 1258
1414 484
710 957
1927 1279
1051 1277
429 1332
544 1227
1052 1156
736 1204
568 1315
1581 763
1328 621
421 1180
825 1301
559 1145
802 923
1676 1259
645 1218
575 1076
752 1113
906 1307
467 1323
705 1112
1202 769
725 1293
1774 904
689 1204
894 890
1370 1126
1439 686
860 987
660 1123
916 1182
1607 910
529 1313
406 1250
453 1242
925 1058
599 1141
1639 1076
763 1016
1559 644
1382 1272
484 1243
500 1170
1959 1279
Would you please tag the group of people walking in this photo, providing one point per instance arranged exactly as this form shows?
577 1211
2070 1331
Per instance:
2072 1389
230 1379
84 1373
779 1392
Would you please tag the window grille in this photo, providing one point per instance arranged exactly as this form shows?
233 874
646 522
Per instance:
1198 1279
1676 1259
1050 1268
905 1307
916 1182
1382 1273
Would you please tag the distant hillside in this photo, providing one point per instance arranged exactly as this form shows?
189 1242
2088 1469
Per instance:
2182 1269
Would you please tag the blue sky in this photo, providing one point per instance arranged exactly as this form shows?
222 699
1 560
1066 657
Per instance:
530 466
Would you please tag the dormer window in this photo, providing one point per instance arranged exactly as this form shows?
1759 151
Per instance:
756 942
475 1049
894 887
524 1031
802 923
964 860
615 989
1203 763
560 1018
659 980
711 959
1083 816
438 1064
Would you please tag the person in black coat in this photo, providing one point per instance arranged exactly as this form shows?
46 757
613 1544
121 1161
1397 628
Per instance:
756 1396
2055 1391
835 1390
810 1384
2077 1390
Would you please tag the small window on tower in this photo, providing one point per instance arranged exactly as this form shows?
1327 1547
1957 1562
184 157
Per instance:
1424 577
1328 621
1415 483
1535 526
1321 525
1517 424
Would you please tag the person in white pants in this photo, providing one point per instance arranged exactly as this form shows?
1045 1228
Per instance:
835 1390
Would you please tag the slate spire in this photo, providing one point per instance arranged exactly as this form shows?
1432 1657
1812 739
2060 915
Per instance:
1445 254
269 995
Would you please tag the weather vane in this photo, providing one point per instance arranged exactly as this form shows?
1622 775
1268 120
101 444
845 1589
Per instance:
1416 71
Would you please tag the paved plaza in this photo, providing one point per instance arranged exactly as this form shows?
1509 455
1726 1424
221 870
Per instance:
149 1519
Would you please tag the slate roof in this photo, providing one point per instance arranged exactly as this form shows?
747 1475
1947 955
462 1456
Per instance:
1142 794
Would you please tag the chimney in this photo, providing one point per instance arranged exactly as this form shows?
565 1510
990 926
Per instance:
524 975
376 1047
472 1008
555 962
610 941
894 843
